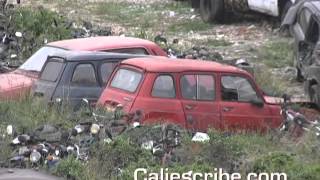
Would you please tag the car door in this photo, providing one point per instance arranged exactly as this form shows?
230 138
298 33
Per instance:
83 83
49 79
238 113
198 98
158 99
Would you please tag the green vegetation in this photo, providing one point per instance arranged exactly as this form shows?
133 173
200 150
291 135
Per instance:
270 84
276 54
38 27
151 16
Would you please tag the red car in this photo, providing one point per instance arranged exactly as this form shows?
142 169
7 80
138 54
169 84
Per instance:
194 94
15 84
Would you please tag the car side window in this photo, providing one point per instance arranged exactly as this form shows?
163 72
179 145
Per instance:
235 88
106 70
51 71
163 87
84 75
198 87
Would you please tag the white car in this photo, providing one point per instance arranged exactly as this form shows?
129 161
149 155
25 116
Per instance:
214 10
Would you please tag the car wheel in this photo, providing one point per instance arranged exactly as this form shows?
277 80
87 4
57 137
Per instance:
212 10
314 93
299 77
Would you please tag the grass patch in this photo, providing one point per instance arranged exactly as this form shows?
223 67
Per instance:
276 54
269 83
188 25
215 43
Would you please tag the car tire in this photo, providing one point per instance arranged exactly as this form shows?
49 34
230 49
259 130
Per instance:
299 77
212 10
314 94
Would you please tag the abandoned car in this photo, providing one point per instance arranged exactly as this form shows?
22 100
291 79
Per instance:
303 21
71 76
191 93
18 83
214 10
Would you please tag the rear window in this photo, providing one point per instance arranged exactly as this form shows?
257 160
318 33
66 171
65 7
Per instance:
84 75
127 80
51 71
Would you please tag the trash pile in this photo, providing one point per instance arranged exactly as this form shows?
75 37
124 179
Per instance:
46 145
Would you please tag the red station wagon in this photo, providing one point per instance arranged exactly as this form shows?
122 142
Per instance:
194 94
15 84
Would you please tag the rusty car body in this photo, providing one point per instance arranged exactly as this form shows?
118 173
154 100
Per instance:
194 94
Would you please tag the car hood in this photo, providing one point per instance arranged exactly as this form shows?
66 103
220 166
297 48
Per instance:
13 81
279 100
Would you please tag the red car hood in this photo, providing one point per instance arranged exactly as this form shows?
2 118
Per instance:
13 85
279 100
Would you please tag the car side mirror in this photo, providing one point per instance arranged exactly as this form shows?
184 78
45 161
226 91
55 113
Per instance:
257 102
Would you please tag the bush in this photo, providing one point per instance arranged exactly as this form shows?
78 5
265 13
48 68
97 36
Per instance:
72 169
110 160
39 25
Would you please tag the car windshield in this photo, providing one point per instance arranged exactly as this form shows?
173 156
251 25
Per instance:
37 60
127 80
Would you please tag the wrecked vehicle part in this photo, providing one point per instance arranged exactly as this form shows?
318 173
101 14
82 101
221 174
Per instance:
303 22
215 10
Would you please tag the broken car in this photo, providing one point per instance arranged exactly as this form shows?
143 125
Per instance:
18 83
303 21
71 76
194 94
214 10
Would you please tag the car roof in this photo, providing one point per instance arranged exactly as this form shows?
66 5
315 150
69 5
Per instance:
92 56
101 43
162 64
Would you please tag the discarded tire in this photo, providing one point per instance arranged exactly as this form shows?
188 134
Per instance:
212 10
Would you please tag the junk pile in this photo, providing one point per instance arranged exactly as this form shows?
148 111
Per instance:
48 144
203 53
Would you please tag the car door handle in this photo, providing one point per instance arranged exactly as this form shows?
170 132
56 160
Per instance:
227 109
189 107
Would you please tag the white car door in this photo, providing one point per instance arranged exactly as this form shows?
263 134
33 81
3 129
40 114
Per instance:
269 7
